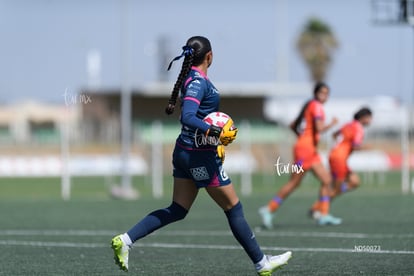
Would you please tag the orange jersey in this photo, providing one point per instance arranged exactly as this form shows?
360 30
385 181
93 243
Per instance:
351 134
308 136
304 151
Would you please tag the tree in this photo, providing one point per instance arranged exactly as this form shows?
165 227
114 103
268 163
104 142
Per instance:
316 44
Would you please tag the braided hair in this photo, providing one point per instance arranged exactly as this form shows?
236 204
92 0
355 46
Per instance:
194 53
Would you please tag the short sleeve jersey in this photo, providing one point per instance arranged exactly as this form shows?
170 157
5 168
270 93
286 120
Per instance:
351 134
308 136
200 90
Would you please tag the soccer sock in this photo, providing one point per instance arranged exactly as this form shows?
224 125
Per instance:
274 203
324 202
126 239
260 264
344 187
243 234
156 220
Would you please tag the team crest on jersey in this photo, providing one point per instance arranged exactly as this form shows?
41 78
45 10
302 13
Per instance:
200 173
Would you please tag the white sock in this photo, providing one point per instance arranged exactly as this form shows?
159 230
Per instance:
259 265
126 239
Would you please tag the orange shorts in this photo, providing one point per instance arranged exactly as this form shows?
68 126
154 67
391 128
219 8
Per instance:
339 168
306 156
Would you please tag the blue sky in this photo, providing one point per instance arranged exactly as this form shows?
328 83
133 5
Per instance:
45 43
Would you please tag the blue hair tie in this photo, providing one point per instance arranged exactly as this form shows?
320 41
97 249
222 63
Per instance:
187 51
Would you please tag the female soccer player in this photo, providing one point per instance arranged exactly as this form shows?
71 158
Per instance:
308 126
349 138
197 164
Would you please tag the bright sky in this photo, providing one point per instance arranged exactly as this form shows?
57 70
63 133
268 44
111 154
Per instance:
45 43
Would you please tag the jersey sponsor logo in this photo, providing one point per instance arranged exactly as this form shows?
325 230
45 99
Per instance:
195 84
193 87
200 173
192 93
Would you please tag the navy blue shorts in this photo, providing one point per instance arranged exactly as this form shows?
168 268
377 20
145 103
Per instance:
203 166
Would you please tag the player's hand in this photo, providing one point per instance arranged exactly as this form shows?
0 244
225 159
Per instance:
334 121
228 133
221 153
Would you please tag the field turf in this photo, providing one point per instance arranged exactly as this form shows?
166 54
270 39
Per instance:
40 234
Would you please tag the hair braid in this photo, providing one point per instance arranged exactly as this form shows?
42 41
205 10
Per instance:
297 122
185 69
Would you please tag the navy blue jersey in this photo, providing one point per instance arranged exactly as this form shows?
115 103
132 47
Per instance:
195 155
199 98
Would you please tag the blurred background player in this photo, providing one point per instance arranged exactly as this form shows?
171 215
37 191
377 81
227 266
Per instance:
198 165
349 138
308 126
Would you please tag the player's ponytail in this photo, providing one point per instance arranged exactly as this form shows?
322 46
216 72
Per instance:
296 123
188 52
194 53
365 111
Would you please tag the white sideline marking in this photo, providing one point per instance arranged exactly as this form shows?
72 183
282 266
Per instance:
295 249
52 244
194 246
16 232
335 235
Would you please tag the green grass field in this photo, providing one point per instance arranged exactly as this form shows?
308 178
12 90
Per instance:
40 234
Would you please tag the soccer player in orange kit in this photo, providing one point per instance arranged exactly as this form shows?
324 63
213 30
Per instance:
349 138
308 126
